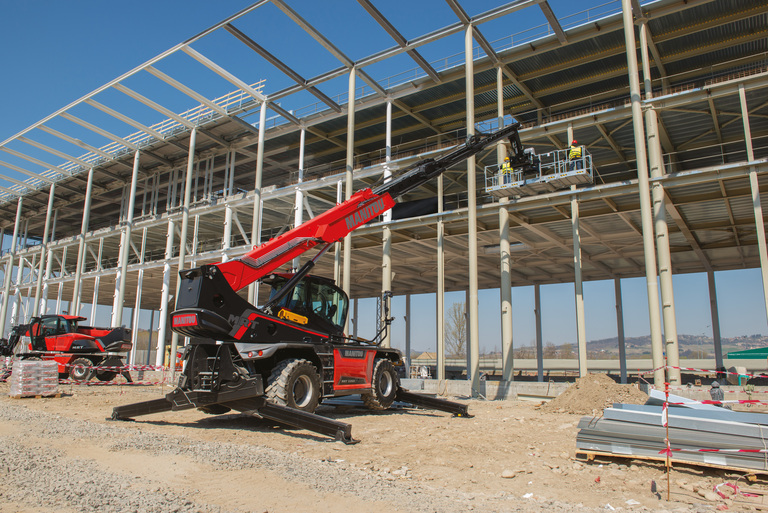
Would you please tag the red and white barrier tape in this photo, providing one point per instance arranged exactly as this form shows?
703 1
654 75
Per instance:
122 367
110 383
713 402
663 451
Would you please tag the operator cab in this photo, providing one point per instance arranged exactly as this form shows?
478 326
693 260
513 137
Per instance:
59 324
315 302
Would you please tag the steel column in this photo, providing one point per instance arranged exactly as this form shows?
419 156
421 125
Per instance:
581 334
16 307
62 272
81 244
357 317
9 268
440 295
298 206
660 221
505 286
756 205
96 282
2 239
117 307
48 267
715 316
43 251
539 338
620 329
184 230
165 294
473 307
408 332
226 241
386 233
253 288
337 248
645 198
347 260
137 302
505 265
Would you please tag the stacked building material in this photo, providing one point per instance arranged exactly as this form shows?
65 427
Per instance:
31 378
707 436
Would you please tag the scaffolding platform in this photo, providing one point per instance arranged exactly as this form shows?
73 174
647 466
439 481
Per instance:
553 171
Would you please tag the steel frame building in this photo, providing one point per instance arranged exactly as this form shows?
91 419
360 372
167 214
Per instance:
205 184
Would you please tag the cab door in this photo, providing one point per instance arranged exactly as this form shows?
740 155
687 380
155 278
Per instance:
37 332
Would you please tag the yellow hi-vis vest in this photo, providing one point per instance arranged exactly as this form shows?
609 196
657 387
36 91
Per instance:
575 152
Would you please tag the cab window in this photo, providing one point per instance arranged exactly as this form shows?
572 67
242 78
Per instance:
328 303
296 301
50 326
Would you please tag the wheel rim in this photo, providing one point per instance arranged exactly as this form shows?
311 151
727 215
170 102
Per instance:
386 383
80 372
302 391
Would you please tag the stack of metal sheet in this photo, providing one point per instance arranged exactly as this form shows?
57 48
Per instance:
710 436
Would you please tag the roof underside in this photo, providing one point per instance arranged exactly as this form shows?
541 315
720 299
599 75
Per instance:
701 51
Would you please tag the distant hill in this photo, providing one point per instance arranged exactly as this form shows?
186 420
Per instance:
691 346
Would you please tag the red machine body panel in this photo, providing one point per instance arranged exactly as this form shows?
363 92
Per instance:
353 368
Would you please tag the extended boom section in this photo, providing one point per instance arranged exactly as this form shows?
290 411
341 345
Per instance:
364 206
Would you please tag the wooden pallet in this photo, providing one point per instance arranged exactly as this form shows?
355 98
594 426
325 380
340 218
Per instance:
750 474
56 395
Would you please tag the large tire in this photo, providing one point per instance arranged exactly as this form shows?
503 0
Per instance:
81 370
294 383
384 385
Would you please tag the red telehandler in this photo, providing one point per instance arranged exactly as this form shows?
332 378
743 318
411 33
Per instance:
280 360
76 348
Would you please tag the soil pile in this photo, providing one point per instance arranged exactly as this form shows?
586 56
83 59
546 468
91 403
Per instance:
592 393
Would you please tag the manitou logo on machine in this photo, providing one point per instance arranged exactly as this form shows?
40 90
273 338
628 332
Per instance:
184 320
365 213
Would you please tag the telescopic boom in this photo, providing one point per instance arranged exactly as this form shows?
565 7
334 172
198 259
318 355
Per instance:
365 205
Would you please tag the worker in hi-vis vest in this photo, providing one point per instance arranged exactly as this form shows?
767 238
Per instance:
506 171
574 156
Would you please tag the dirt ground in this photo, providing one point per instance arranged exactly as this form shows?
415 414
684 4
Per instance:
511 456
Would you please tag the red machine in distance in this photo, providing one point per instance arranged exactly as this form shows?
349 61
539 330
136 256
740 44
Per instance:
283 358
76 348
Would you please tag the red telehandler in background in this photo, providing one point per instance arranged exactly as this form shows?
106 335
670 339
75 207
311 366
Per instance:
282 359
79 350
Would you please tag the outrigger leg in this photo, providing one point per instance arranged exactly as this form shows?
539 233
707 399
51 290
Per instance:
248 399
432 403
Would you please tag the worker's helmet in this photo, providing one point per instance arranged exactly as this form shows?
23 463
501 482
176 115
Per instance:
715 384
574 142
506 159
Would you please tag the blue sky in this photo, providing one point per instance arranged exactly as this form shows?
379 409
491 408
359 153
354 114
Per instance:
54 52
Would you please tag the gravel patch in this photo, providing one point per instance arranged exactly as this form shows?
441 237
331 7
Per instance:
41 477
